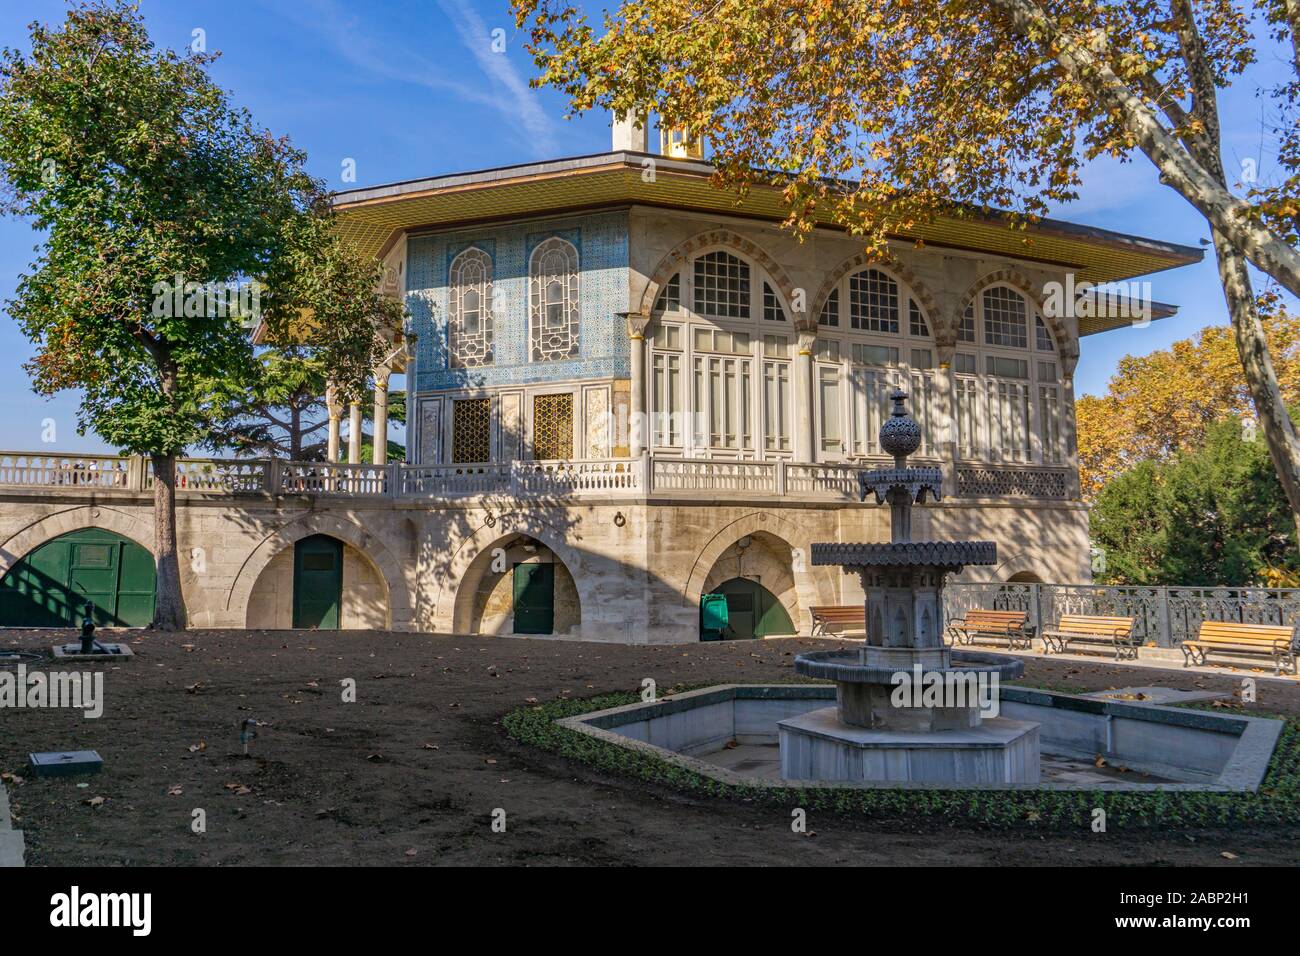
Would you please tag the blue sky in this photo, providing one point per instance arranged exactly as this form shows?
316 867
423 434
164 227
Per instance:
410 88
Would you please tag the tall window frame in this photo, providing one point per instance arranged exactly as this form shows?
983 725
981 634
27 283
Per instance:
720 361
1008 398
874 335
554 311
470 323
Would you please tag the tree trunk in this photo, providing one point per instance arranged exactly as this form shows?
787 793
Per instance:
169 609
1209 195
1252 348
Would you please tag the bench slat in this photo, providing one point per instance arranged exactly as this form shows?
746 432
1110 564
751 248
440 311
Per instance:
1252 640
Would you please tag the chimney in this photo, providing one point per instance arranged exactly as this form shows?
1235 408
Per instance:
630 133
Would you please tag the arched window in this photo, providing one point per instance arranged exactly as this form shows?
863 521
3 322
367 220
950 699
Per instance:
469 310
720 361
1006 323
873 337
873 301
1007 401
670 296
722 286
553 300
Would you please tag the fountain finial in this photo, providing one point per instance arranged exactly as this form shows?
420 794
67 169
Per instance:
900 435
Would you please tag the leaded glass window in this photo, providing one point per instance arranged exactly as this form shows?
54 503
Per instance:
670 296
553 426
553 300
831 310
916 321
873 302
721 286
966 331
469 310
471 430
772 311
1006 323
1042 338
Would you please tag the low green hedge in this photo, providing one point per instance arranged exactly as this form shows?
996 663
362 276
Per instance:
1276 802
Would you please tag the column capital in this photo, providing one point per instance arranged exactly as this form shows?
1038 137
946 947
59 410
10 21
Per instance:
637 323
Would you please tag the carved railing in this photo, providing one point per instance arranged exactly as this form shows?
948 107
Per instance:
216 475
572 478
1165 616
681 474
454 481
30 470
838 481
1012 481
333 478
597 476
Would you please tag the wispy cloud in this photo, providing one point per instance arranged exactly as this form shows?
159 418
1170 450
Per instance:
476 37
385 58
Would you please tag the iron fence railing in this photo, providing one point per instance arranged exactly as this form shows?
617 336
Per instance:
1164 616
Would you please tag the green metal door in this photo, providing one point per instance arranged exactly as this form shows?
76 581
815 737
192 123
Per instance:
317 582
752 610
50 586
534 598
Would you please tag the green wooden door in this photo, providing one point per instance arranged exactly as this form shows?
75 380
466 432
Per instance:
752 610
534 598
317 582
50 586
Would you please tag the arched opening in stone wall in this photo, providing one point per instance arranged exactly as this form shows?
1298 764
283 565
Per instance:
518 586
319 583
51 584
756 574
1025 577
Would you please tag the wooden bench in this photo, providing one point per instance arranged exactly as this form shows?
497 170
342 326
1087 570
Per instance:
1245 640
1093 629
1010 626
832 615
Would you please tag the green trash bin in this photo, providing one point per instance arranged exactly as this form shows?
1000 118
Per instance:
713 617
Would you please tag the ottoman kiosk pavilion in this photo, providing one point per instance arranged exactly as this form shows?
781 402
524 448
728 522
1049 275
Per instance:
627 389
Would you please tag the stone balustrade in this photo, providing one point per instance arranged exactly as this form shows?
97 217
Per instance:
611 477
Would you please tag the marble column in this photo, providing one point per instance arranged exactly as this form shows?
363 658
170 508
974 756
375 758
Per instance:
637 323
945 407
381 415
805 424
335 409
354 433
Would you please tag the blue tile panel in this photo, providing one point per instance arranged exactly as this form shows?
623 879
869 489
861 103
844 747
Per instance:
602 244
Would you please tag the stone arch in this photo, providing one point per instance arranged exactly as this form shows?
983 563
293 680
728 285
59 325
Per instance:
451 572
890 265
1066 347
811 585
1020 568
350 533
52 526
1025 577
680 254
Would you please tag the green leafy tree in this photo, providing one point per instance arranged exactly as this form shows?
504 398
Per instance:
282 414
155 199
1211 515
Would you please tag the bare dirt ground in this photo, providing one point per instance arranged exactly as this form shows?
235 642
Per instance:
410 773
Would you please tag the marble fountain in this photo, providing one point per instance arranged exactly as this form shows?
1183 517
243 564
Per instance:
902 709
